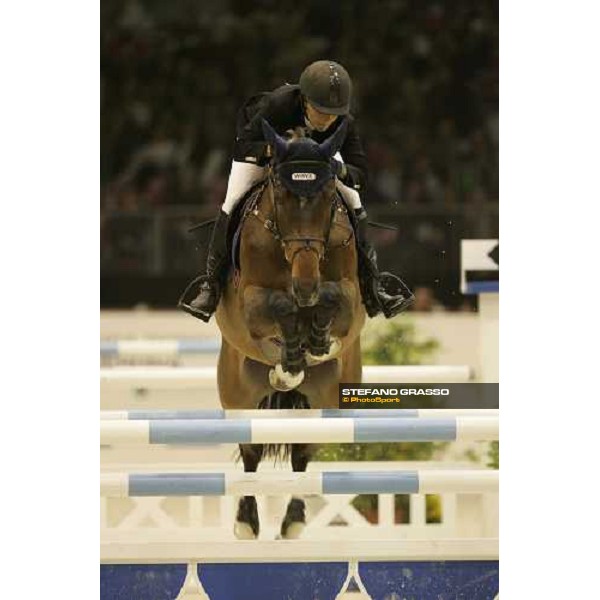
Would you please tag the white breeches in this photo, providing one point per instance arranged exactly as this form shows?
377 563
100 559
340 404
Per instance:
350 195
241 178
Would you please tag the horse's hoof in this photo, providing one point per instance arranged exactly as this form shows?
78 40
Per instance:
334 350
294 530
243 531
283 381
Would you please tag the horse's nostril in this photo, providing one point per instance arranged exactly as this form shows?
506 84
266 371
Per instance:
306 292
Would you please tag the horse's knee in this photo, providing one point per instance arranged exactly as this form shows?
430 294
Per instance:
330 294
281 304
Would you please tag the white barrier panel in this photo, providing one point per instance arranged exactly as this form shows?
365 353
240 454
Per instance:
284 551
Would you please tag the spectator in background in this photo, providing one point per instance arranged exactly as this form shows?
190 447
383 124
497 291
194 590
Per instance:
430 80
424 300
422 183
385 182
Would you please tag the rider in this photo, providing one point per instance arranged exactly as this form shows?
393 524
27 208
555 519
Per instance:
319 103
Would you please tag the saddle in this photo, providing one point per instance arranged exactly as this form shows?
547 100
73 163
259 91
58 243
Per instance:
237 218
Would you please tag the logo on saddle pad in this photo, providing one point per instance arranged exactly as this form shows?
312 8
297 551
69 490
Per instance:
303 176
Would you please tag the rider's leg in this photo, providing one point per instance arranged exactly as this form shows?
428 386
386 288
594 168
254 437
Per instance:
381 291
241 178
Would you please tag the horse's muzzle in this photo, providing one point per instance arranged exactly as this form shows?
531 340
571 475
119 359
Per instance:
306 291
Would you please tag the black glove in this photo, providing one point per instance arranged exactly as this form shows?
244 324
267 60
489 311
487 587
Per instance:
338 168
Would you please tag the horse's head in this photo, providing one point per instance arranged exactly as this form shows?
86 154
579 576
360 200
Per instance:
303 201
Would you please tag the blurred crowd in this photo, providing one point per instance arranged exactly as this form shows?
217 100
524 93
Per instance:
173 75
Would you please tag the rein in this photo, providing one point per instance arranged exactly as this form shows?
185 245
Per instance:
318 245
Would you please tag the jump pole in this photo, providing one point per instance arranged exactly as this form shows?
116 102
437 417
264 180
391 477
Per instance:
331 413
126 485
298 431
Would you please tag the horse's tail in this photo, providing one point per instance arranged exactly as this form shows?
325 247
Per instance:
282 400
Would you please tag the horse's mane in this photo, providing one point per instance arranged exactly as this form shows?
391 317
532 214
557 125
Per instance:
296 133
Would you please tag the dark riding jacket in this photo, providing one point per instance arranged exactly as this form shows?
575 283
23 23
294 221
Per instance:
283 109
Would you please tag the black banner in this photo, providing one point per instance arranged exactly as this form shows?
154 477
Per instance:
418 395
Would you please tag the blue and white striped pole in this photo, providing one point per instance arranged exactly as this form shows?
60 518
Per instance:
154 348
298 431
125 485
311 413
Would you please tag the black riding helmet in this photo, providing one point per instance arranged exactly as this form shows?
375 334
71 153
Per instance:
327 86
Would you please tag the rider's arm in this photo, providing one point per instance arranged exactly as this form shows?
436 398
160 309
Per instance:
355 159
250 144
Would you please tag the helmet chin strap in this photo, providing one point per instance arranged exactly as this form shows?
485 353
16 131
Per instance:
308 122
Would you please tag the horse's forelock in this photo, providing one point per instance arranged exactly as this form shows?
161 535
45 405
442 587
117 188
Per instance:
302 147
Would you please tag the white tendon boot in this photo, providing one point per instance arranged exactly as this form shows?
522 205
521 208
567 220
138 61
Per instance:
241 178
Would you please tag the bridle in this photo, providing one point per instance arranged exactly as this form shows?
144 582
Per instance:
318 245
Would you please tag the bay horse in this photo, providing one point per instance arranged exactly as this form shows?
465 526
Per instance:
291 316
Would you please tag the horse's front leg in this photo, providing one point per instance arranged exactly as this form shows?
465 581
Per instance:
319 340
246 522
290 373
294 520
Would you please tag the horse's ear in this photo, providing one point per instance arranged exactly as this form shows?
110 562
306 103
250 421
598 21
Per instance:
278 144
334 142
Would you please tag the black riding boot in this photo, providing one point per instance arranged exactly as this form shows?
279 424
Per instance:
217 262
381 292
